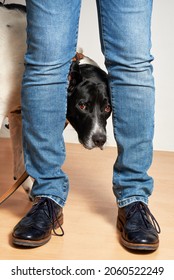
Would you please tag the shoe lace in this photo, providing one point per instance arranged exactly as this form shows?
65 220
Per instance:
146 215
51 214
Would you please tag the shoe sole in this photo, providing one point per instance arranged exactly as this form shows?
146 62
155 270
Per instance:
136 246
34 243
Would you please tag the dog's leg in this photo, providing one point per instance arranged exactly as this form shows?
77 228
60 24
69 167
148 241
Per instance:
15 125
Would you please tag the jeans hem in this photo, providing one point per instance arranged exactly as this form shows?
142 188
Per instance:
57 200
127 201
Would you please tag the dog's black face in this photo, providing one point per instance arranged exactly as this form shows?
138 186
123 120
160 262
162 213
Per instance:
88 104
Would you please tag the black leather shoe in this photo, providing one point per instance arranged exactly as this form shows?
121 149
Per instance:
138 227
36 227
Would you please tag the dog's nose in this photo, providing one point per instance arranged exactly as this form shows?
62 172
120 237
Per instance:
99 139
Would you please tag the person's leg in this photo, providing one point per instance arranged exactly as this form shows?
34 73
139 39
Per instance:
52 28
125 38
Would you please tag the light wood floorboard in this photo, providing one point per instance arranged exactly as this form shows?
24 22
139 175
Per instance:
90 213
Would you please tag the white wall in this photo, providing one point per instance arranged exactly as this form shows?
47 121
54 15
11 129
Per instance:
163 50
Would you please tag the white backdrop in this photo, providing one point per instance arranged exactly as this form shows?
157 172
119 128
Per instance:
163 50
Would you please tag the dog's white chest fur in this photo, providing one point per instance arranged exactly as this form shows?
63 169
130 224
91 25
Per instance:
12 50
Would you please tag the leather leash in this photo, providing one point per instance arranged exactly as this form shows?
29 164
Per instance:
14 187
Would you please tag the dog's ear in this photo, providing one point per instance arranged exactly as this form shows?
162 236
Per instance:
74 77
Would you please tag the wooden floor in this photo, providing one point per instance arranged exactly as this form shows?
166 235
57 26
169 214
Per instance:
90 213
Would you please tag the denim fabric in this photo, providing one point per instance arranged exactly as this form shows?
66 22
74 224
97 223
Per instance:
52 28
126 42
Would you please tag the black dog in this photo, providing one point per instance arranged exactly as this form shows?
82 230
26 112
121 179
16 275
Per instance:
88 101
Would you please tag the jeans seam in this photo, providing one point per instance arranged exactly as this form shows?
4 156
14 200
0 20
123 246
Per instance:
77 28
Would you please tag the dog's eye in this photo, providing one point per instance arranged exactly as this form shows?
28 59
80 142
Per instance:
107 108
82 106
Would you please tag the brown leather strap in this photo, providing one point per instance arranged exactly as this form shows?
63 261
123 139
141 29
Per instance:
13 188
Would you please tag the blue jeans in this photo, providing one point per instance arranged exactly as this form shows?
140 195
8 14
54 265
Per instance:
126 42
